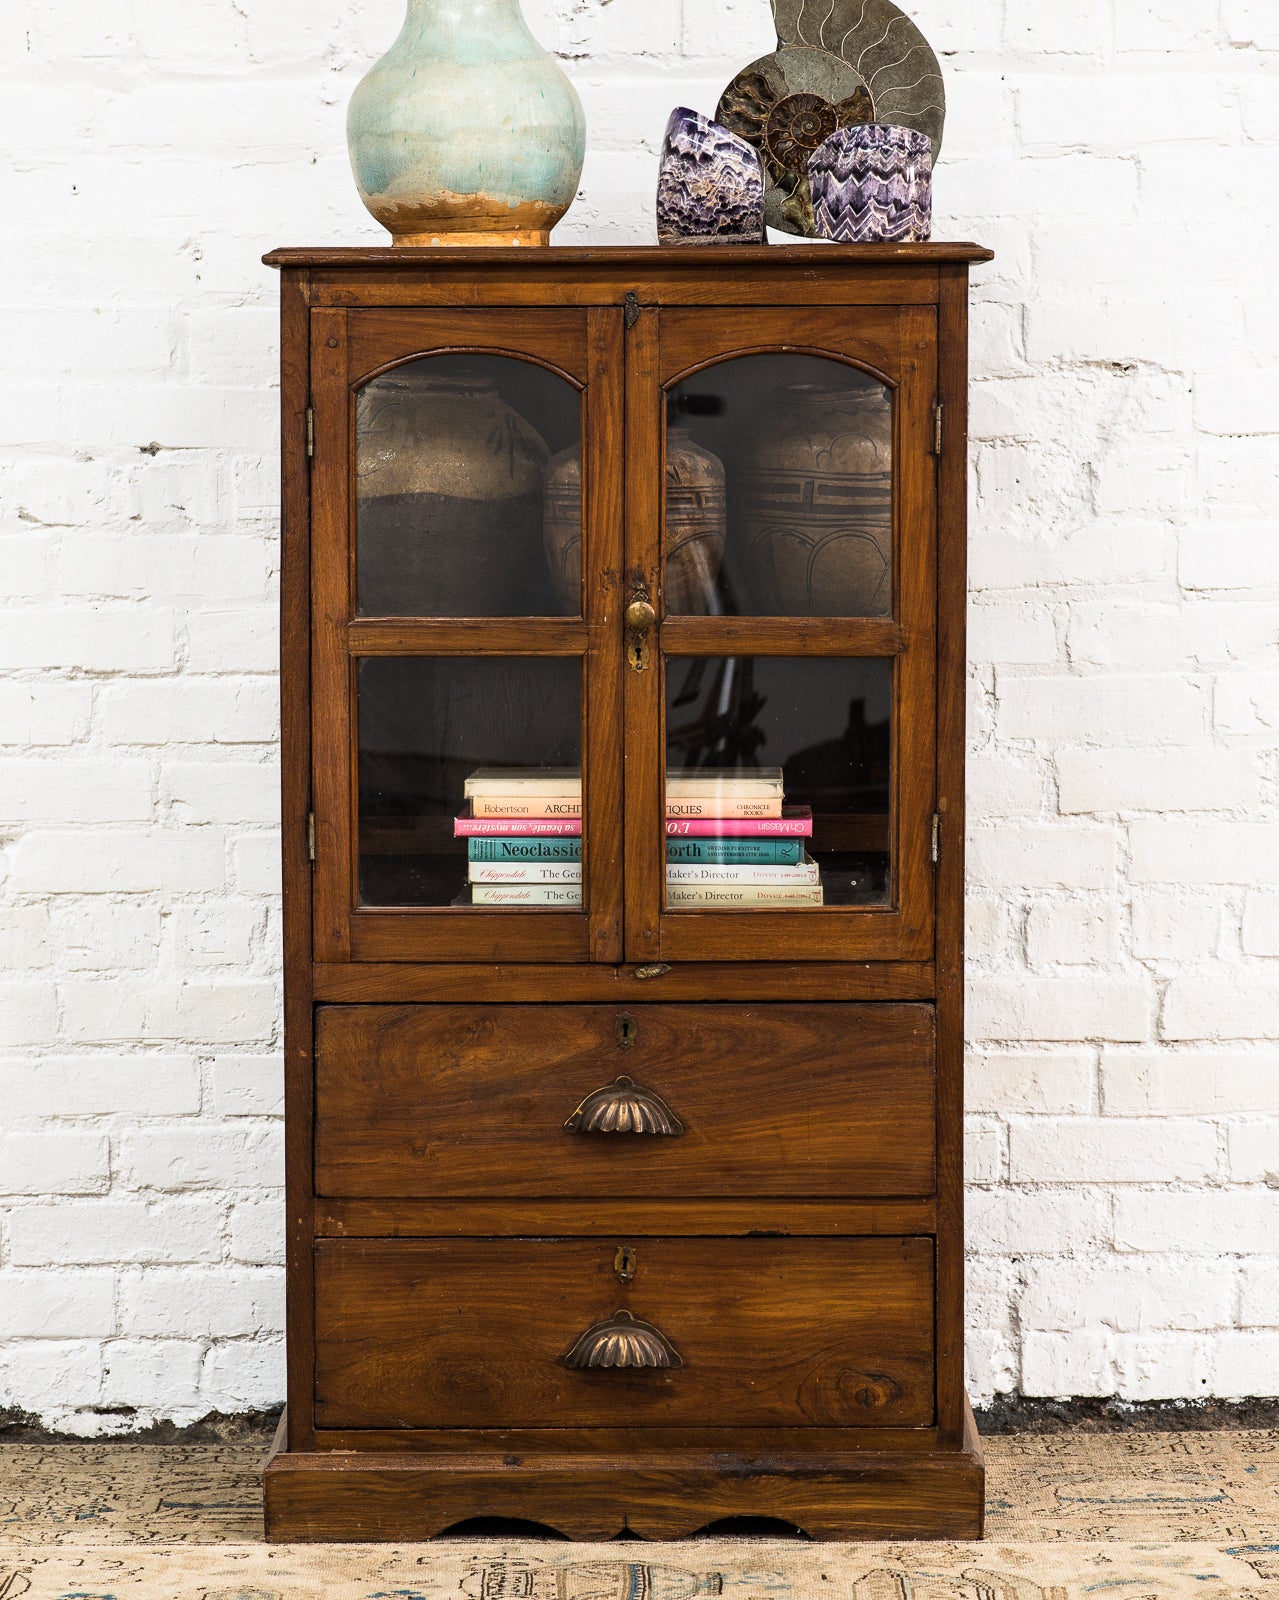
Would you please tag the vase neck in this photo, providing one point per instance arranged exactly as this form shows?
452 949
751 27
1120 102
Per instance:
442 20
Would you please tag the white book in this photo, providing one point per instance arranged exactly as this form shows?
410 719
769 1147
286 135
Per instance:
699 782
731 896
525 872
712 872
749 783
565 895
524 781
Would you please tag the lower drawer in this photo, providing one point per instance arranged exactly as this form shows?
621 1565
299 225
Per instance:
480 1333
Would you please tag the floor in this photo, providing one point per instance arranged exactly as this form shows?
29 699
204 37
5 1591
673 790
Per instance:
1073 1516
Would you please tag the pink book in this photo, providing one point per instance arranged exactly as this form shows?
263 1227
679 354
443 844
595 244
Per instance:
517 827
728 807
796 822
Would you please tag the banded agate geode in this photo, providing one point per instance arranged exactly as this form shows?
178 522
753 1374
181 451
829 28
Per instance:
710 189
873 184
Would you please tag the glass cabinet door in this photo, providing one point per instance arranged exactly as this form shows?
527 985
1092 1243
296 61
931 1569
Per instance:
788 561
466 808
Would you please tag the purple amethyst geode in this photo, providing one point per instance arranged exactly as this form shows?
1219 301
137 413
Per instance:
711 186
873 184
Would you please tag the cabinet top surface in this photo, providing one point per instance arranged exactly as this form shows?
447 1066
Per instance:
635 257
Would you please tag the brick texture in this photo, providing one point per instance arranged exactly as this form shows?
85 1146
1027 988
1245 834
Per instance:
1125 666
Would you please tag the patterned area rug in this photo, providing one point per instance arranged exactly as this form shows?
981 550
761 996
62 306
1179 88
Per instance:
1072 1517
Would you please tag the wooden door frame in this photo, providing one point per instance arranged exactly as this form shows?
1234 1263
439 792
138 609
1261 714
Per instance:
348 349
897 345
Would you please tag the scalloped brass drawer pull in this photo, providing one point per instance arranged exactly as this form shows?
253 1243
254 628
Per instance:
622 1340
624 1107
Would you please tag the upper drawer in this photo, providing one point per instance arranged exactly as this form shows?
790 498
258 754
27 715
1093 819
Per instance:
467 1101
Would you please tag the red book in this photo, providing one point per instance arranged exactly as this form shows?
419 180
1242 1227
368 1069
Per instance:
795 822
517 827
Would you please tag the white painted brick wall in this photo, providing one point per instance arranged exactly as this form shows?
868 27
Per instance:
1124 1084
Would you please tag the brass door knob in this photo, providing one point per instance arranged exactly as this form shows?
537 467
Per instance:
640 616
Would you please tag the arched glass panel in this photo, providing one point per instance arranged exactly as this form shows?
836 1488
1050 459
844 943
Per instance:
779 490
468 490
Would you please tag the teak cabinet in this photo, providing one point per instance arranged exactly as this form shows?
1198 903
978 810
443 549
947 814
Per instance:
624 1132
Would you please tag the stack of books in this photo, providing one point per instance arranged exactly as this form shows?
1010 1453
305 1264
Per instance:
523 828
732 842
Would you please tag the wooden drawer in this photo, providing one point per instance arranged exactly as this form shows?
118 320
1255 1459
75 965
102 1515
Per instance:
471 1101
435 1333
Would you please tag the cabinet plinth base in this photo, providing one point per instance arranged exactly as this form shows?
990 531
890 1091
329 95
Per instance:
338 1496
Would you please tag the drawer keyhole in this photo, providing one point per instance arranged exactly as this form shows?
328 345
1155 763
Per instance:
625 1262
627 1031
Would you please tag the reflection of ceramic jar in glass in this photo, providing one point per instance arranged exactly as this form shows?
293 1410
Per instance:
449 493
817 502
696 521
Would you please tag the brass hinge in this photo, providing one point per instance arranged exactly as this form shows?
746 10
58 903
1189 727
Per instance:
938 424
310 430
310 835
936 838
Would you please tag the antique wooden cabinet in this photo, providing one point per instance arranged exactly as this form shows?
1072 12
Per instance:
623 687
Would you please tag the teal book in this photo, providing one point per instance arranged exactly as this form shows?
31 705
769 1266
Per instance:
524 849
736 852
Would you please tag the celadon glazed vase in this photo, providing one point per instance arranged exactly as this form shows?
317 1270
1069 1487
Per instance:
466 132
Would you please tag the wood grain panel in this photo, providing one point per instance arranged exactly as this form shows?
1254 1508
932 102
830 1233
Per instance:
455 1101
554 339
627 1442
747 264
622 1492
467 636
644 844
433 1333
397 981
867 336
295 797
952 620
777 1218
603 558
782 636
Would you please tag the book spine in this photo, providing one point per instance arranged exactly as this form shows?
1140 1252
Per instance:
516 828
537 805
524 850
736 852
531 894
796 876
724 806
525 872
740 828
730 895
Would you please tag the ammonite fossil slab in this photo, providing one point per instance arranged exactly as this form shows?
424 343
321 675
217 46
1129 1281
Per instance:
873 184
711 186
837 63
